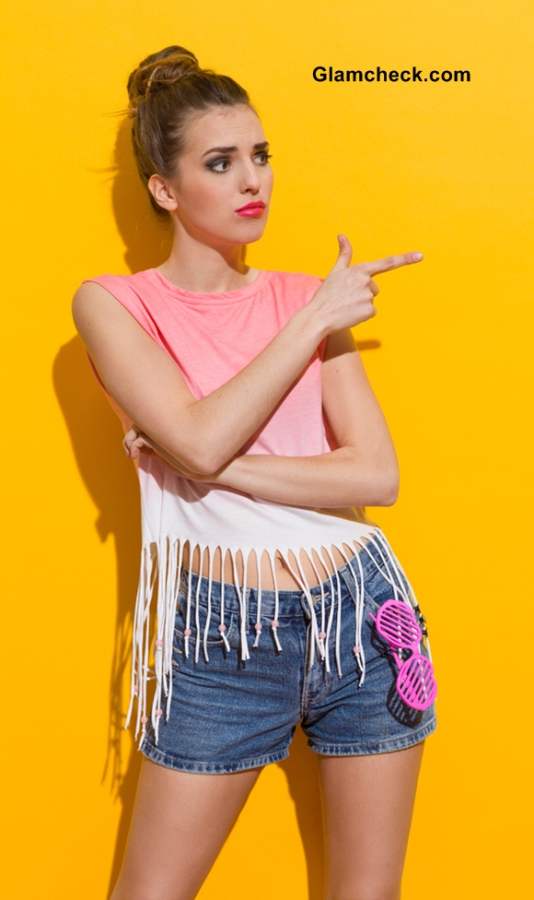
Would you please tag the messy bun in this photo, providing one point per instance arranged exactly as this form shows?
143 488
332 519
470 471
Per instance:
163 90
157 71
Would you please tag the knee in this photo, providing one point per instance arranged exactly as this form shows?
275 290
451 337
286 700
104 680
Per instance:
367 891
123 891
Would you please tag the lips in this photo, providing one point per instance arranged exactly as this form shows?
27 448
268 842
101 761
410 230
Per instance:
259 204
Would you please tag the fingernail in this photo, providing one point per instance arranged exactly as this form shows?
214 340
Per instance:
417 255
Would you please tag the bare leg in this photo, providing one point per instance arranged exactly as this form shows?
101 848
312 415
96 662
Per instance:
179 824
367 804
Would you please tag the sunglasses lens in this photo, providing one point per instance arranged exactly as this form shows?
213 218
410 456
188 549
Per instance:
416 683
396 623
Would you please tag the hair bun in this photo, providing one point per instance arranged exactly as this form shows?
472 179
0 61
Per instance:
159 70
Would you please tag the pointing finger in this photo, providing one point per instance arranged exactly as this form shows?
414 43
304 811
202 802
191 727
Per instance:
390 262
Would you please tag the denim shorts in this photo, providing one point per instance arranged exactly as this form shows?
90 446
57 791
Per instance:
229 714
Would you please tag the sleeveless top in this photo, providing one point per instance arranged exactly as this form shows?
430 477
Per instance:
211 337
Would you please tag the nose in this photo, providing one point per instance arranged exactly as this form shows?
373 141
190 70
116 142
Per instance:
250 179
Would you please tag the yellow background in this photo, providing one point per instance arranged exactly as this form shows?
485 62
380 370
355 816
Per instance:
444 168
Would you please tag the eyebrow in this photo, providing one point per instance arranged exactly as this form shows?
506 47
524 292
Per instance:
260 146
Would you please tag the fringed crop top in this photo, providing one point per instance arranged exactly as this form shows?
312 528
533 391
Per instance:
211 337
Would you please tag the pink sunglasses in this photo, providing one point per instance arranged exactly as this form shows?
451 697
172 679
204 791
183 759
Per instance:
397 625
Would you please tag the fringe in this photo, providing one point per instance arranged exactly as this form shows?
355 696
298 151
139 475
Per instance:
164 558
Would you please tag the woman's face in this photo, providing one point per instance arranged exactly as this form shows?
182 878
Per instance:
210 185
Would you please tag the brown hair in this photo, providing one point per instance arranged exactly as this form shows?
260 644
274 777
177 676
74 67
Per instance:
164 89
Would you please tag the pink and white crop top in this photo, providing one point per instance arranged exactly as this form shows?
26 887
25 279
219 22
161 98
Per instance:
211 337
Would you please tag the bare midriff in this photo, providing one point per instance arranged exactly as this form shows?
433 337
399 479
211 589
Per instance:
284 577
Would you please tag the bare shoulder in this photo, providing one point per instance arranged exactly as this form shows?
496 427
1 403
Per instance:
92 303
88 295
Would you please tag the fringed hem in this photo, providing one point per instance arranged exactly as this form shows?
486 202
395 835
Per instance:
169 555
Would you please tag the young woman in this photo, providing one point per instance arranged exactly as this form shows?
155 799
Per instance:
257 441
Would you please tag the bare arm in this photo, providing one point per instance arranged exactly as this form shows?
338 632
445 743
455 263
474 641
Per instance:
362 471
146 383
336 479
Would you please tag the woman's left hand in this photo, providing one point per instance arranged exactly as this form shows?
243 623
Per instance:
134 441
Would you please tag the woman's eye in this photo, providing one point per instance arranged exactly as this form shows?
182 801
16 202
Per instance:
225 159
217 162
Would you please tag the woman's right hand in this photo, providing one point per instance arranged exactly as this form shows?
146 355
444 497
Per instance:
346 295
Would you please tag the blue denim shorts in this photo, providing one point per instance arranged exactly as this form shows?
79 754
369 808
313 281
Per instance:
229 714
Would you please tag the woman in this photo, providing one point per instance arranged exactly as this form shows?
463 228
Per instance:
255 435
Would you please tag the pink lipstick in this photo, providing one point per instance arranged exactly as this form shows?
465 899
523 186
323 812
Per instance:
252 210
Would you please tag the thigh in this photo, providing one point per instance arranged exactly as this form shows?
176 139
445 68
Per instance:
367 804
180 822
